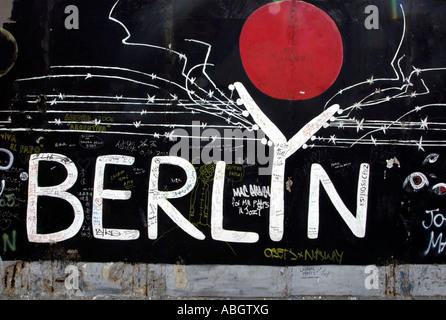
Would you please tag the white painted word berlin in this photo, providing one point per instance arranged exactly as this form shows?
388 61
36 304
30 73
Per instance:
282 150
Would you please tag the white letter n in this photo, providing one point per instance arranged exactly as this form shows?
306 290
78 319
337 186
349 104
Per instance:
356 224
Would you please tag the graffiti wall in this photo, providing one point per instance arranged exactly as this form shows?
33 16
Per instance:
223 132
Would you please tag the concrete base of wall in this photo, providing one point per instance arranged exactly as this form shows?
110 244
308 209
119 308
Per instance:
68 280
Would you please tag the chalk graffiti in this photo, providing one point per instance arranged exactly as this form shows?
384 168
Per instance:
202 191
307 255
8 200
434 221
8 243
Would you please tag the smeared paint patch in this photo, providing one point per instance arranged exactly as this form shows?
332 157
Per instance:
288 184
392 162
180 276
6 11
111 272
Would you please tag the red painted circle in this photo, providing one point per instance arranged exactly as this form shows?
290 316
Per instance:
291 50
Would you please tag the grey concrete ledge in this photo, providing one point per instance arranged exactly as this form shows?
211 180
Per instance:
118 280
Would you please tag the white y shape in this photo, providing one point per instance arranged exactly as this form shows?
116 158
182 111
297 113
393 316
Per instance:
282 150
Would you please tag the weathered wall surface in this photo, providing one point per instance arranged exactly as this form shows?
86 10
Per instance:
164 149
57 280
